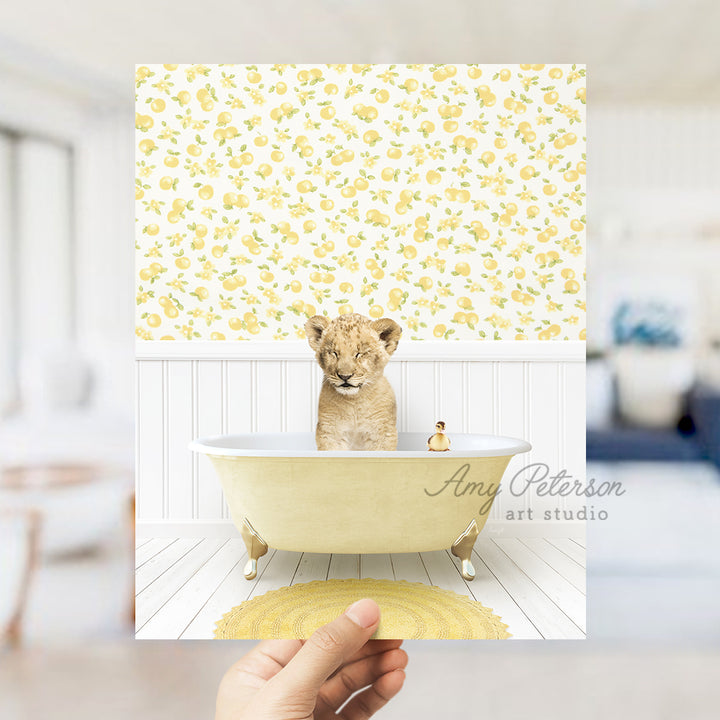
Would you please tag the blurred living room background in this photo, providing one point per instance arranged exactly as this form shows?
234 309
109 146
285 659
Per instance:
66 322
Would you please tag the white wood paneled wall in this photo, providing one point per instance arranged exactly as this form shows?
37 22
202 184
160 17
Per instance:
181 398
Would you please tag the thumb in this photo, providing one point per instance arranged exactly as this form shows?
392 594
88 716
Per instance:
328 648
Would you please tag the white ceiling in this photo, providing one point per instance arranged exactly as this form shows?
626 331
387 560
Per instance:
642 51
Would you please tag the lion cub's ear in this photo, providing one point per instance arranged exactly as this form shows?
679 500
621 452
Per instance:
389 332
314 329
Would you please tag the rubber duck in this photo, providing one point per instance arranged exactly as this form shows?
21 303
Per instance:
439 442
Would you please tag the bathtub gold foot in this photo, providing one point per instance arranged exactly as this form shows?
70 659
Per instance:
256 548
463 547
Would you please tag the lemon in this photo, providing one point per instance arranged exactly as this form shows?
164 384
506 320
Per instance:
572 286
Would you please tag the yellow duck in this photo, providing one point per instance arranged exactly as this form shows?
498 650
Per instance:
439 442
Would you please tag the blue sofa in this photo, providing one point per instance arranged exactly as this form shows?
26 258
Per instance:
697 436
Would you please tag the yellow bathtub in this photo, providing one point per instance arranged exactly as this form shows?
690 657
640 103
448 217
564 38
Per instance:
283 493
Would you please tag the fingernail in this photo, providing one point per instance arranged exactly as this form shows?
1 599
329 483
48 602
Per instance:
364 613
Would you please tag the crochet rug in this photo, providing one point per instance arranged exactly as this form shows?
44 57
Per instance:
408 611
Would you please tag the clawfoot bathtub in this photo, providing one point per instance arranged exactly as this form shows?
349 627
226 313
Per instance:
282 493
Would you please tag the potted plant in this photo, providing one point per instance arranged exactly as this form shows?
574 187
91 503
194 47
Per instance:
653 364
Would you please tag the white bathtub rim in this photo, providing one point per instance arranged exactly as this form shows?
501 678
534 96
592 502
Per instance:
509 446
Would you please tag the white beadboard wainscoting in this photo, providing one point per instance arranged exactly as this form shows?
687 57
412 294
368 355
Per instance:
532 390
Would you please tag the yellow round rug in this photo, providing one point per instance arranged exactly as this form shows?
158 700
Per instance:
409 611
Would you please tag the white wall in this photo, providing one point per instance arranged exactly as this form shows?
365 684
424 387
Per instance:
654 216
531 390
44 247
73 276
7 320
105 255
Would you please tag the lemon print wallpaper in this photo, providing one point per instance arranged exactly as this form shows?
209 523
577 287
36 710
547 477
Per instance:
449 197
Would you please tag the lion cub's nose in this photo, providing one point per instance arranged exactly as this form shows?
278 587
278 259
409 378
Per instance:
345 377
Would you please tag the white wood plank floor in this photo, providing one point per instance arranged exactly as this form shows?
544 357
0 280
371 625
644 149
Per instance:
536 585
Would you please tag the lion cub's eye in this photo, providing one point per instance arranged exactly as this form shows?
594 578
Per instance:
357 355
334 353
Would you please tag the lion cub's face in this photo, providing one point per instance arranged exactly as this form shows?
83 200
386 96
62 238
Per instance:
352 350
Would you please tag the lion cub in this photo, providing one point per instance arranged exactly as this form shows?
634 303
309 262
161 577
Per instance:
357 408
